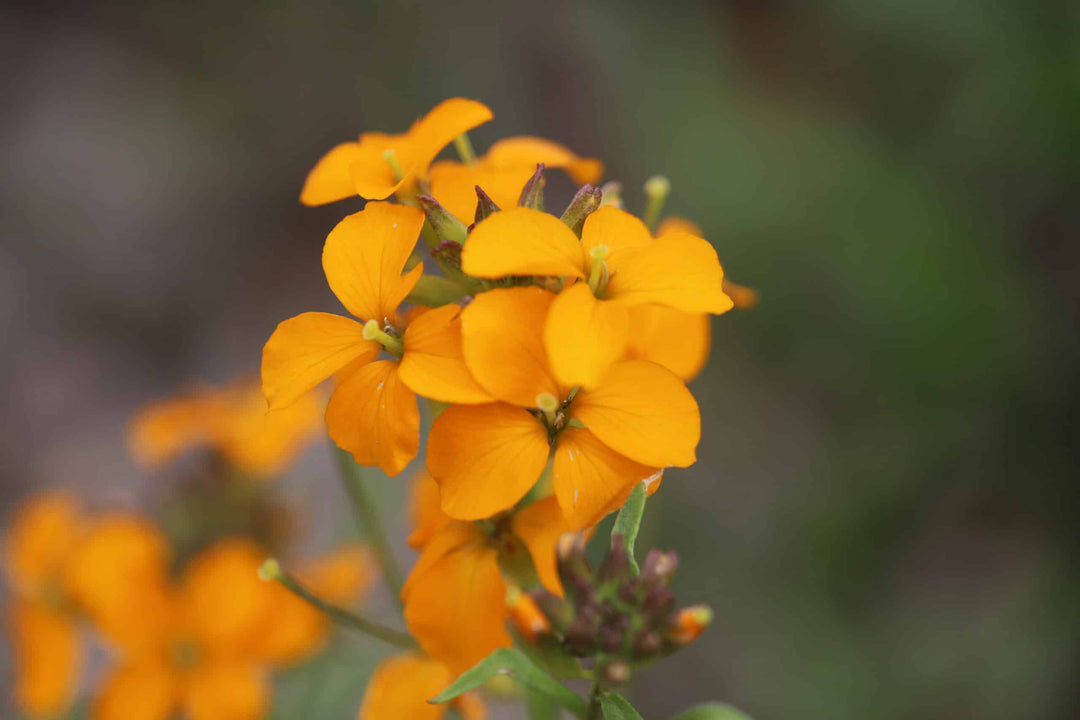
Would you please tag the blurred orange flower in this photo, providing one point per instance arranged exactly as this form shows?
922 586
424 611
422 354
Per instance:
203 646
232 420
379 165
401 686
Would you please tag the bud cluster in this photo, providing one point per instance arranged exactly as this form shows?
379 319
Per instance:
621 618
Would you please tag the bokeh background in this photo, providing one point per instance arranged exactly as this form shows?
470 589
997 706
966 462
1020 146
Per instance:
883 515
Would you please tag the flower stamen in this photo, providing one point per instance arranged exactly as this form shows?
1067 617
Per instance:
391 344
598 276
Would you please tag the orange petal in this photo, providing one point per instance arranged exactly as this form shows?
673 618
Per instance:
262 443
329 180
449 538
47 659
433 365
743 297
615 229
679 270
372 175
502 340
526 151
456 609
374 416
675 339
431 133
164 429
119 576
425 510
147 691
40 539
539 526
485 457
401 686
307 349
365 254
583 336
453 184
227 690
343 576
523 241
590 478
641 410
222 594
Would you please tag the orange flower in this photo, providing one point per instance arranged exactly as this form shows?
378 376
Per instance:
401 686
233 421
203 646
743 297
47 653
379 165
617 265
502 173
637 419
456 598
373 412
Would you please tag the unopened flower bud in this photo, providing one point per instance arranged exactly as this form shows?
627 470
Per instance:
615 569
616 672
690 623
611 640
658 602
659 567
587 199
448 254
485 206
580 635
558 611
532 195
647 643
611 192
446 226
573 567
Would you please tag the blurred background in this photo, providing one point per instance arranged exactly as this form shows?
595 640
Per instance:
883 514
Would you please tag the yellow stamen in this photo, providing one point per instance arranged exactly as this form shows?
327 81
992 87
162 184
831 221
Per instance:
656 190
465 149
598 276
548 405
390 344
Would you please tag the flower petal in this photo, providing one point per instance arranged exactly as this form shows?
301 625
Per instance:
47 659
539 525
615 229
453 184
527 151
522 241
261 443
371 173
450 537
584 336
307 349
227 689
485 457
502 341
329 180
373 415
675 339
401 686
590 478
433 365
425 510
431 133
224 600
641 410
677 270
40 540
147 691
456 608
365 254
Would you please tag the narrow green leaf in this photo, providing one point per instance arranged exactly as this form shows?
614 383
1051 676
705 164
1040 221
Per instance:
507 661
628 521
541 707
713 711
616 707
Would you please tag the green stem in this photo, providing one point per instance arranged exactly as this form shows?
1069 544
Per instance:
464 148
368 516
594 711
272 570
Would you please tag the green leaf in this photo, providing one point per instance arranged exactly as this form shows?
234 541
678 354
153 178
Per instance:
514 663
628 521
616 707
713 711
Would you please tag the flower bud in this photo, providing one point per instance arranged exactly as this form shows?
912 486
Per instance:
587 199
616 672
580 636
690 623
485 206
448 254
659 567
558 611
647 644
446 226
532 195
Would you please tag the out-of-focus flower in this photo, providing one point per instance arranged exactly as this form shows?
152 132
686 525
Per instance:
617 265
379 165
373 412
638 419
233 421
203 645
502 172
41 618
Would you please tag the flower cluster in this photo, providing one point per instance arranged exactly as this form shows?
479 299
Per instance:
552 352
